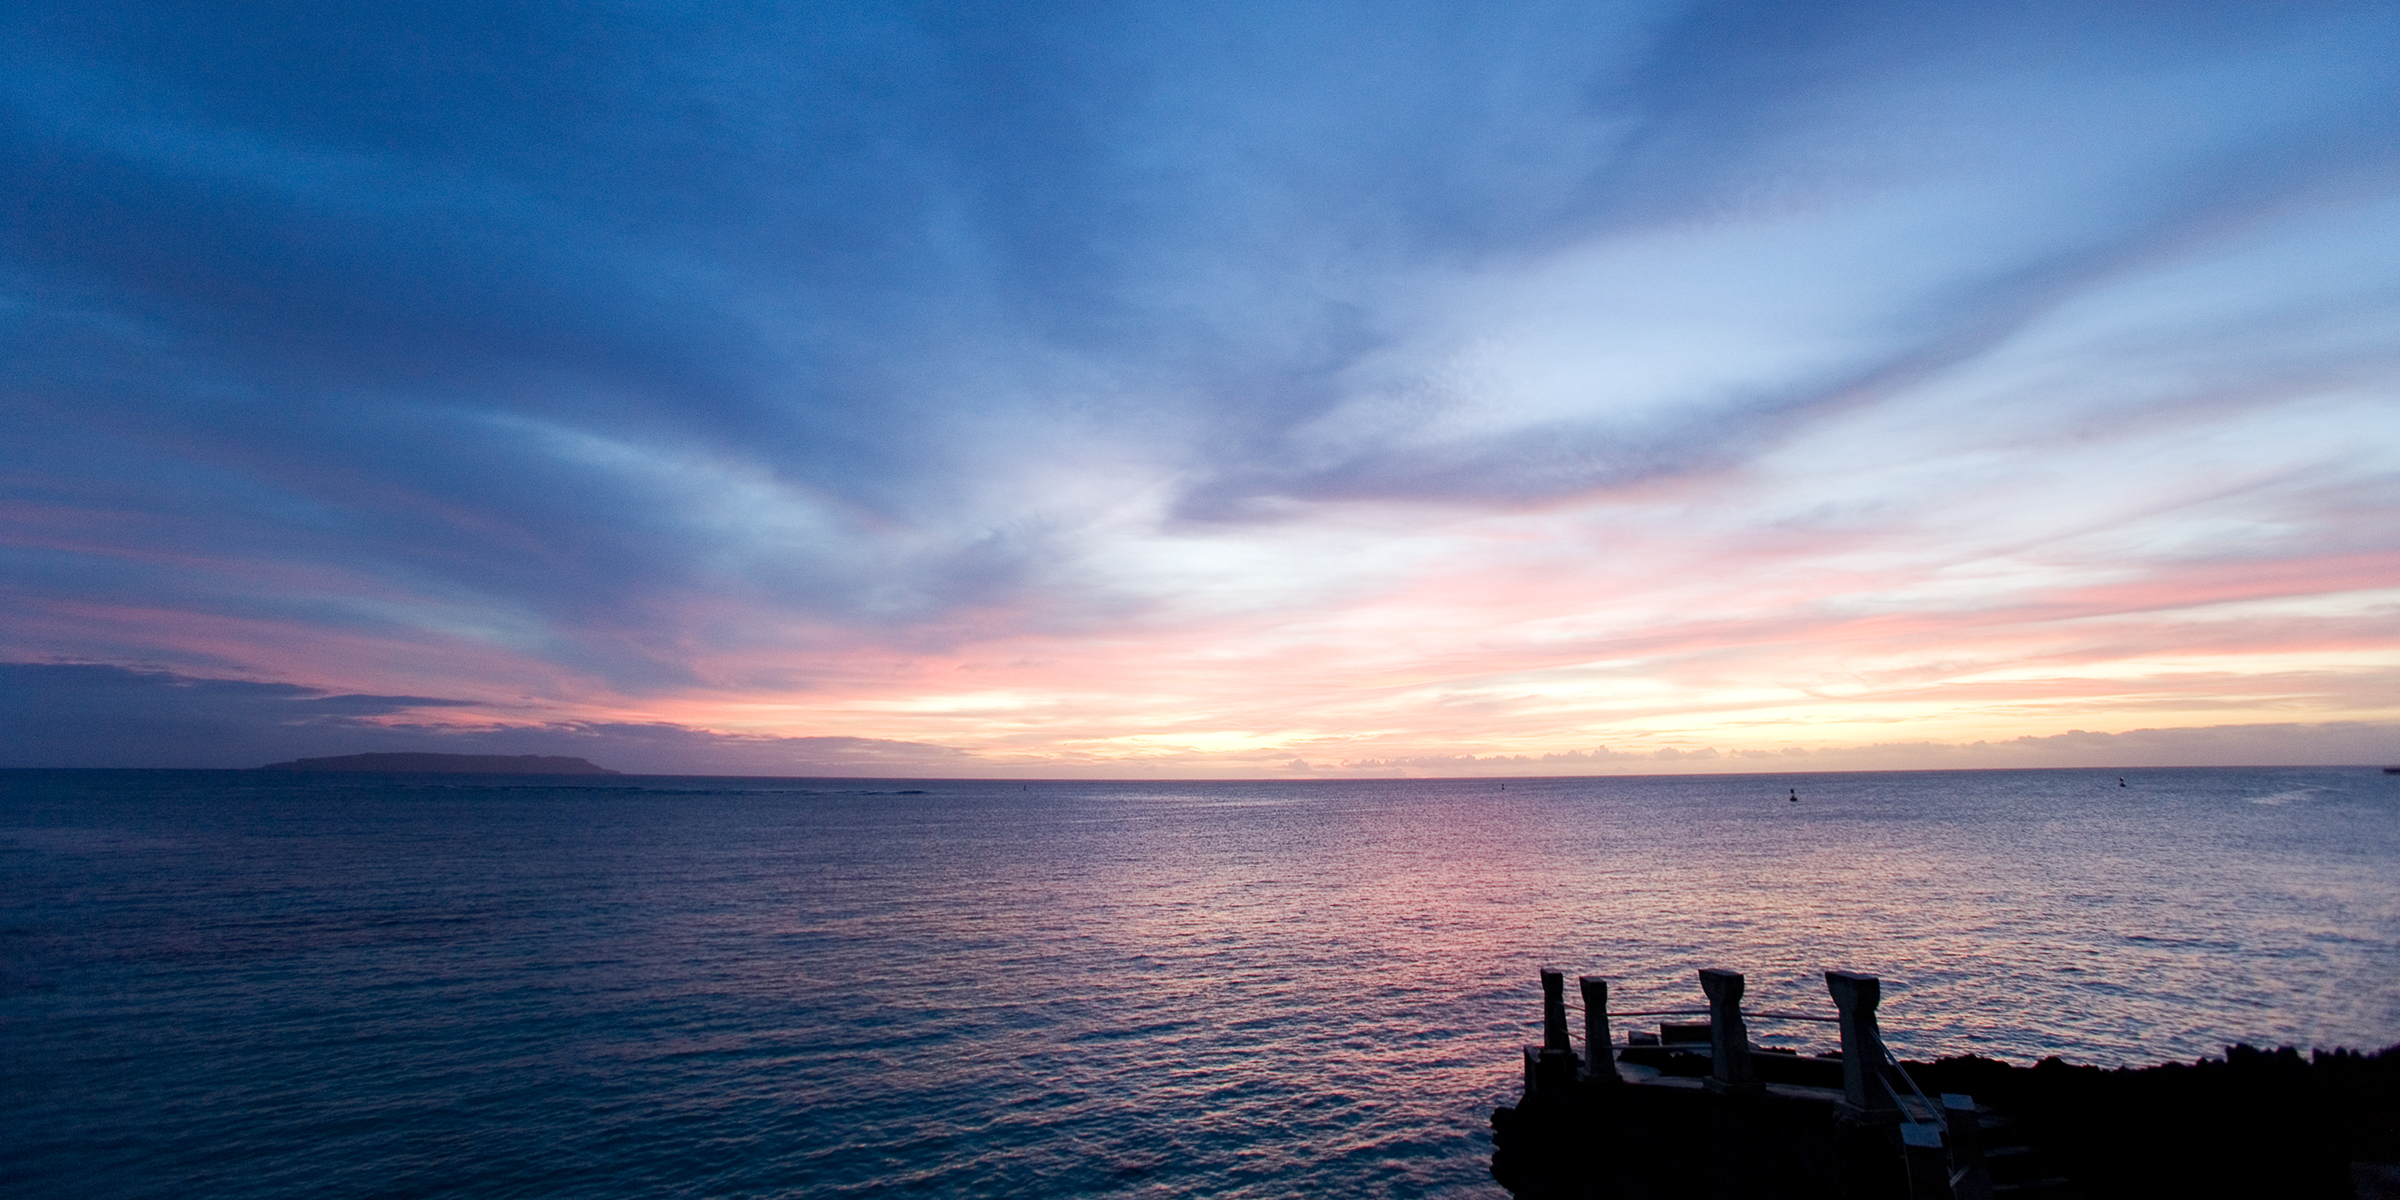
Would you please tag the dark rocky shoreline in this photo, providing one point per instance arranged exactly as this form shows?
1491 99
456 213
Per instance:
1701 1111
2255 1122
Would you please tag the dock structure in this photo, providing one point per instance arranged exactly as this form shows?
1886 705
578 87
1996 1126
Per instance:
1701 1111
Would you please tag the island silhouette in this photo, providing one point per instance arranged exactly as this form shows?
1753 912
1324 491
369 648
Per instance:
447 764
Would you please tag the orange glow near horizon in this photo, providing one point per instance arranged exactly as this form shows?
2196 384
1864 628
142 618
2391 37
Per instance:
1499 645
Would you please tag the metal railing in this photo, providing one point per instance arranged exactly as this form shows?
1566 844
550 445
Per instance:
1702 1012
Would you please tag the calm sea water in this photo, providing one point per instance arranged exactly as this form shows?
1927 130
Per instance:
237 985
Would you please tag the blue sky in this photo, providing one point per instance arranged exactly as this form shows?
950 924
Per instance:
1119 390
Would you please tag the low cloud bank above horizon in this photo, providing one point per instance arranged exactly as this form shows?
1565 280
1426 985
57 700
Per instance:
71 715
1057 388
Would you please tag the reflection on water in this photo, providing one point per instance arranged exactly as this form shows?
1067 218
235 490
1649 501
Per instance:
226 985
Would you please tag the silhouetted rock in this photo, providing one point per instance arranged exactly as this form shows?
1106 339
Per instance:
2253 1123
447 764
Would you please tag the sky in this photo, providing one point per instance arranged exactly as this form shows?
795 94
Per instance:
1128 390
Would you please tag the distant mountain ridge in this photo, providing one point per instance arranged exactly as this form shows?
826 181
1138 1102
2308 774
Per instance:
447 764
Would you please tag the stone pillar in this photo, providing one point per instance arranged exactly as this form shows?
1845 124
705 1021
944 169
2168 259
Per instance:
1866 1095
1599 1054
1554 1011
1551 1066
1728 1037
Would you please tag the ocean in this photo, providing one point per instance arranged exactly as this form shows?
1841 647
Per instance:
236 984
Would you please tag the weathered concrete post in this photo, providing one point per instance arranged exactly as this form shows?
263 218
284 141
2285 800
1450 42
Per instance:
1728 1037
1551 1065
1867 1096
1599 1054
1554 1011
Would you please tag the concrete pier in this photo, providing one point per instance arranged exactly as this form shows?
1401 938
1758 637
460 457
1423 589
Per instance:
1721 1118
1650 1119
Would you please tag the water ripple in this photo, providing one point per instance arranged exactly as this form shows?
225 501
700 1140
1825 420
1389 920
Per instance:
214 984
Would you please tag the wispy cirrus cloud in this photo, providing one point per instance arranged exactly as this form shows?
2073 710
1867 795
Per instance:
1440 381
